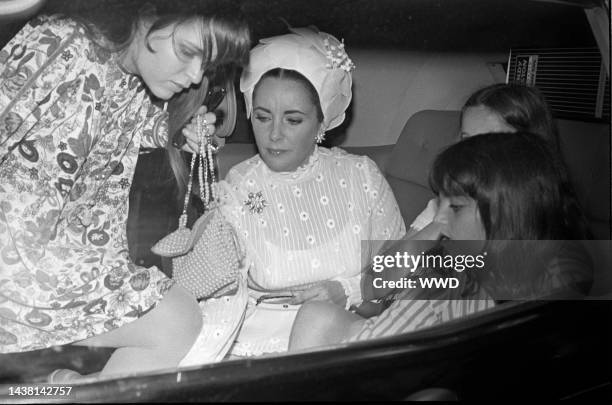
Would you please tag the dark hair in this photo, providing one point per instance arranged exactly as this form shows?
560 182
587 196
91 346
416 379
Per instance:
519 183
522 192
233 40
287 74
523 108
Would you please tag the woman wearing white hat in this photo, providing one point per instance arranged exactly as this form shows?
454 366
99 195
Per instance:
300 210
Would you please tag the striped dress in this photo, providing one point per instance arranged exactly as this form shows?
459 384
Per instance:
419 309
549 267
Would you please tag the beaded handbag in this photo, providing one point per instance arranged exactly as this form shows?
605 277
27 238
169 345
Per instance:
205 259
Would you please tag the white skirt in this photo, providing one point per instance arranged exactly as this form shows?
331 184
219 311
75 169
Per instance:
266 328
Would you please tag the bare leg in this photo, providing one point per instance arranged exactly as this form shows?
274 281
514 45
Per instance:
158 340
320 323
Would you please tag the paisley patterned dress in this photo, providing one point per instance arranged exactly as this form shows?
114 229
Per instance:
71 125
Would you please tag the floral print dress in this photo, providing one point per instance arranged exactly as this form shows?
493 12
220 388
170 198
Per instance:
71 125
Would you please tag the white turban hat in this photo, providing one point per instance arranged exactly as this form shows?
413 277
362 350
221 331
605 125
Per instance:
318 56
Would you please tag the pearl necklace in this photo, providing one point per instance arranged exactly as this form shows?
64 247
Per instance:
206 170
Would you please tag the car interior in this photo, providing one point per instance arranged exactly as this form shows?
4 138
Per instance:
416 63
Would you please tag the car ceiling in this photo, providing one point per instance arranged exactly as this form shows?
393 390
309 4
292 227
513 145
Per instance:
424 25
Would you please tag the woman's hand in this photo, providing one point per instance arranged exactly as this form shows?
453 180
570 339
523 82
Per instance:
191 134
433 231
331 291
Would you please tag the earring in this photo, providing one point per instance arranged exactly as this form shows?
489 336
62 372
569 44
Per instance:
320 136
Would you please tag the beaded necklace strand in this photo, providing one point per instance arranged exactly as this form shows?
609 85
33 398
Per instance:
206 170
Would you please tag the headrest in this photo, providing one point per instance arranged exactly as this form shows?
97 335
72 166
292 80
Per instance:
423 136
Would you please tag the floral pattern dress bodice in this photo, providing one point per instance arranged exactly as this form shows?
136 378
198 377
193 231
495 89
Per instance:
307 226
71 125
320 222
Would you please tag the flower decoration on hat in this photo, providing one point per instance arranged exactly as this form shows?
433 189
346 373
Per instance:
337 56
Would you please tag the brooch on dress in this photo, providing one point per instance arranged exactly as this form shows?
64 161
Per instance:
256 202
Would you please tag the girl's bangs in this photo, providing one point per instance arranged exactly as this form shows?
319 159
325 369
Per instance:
205 42
451 179
231 39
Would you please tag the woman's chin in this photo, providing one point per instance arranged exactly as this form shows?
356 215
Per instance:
162 93
279 167
277 164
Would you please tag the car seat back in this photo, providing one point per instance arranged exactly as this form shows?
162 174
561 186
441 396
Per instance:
585 147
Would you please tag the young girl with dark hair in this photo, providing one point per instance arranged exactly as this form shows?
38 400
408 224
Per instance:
520 107
497 108
498 191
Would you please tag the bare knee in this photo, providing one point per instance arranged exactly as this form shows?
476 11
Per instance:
318 324
169 330
317 313
180 321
